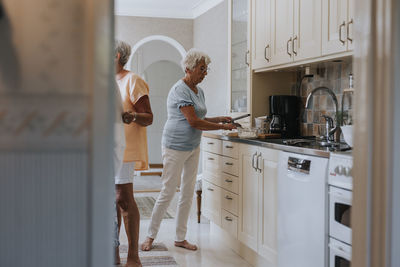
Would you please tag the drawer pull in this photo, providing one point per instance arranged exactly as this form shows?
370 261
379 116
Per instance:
228 163
228 181
210 143
210 189
228 198
229 219
210 158
228 146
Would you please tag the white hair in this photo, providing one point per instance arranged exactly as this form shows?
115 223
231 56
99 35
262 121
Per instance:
193 57
124 51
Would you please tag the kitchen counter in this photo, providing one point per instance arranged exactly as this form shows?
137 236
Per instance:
273 143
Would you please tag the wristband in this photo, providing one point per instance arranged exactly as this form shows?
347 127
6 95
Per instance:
134 116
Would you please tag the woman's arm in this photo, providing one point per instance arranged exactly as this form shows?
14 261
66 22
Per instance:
143 113
219 119
200 124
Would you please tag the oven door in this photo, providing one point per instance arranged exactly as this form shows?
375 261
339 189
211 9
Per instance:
339 254
340 214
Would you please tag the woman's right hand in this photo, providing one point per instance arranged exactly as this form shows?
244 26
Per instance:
228 126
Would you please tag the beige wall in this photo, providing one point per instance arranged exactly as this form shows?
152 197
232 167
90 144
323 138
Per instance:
134 29
211 36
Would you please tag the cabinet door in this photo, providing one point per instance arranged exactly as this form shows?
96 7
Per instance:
282 30
307 29
267 242
240 58
211 202
248 197
334 18
350 26
261 33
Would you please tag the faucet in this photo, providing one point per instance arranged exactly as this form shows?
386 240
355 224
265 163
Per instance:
331 129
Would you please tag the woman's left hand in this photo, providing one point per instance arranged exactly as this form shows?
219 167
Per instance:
225 119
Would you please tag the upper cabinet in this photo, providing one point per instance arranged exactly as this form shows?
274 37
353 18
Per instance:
239 54
285 31
337 26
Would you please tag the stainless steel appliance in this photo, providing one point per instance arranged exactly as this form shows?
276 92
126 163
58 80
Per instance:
302 206
284 113
340 199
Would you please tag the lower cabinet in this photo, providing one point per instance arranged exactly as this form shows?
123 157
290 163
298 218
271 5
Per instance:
240 194
258 200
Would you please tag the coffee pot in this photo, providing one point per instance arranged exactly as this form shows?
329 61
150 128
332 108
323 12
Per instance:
276 124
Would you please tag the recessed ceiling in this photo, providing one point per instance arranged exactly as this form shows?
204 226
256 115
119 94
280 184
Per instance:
186 9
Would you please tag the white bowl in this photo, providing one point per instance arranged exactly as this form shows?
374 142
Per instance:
347 131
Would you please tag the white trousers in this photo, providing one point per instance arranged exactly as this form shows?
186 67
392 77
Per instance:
174 162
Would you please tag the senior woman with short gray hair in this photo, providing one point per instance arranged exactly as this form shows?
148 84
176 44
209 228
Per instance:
180 146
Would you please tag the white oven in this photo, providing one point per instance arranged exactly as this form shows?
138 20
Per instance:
339 254
340 214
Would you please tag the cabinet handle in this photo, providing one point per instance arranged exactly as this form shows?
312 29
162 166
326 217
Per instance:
265 53
287 46
228 181
210 189
210 158
293 45
228 146
252 161
229 219
228 163
340 32
210 143
348 30
245 58
258 169
228 198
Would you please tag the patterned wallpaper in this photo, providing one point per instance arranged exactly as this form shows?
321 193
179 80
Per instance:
334 76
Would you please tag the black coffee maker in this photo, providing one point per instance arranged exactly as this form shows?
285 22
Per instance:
284 115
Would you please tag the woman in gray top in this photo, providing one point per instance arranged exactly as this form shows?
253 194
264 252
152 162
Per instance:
180 146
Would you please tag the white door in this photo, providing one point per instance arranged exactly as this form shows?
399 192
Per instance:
282 30
267 242
307 29
334 18
350 25
248 200
261 33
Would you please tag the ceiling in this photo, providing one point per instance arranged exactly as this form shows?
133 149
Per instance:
184 9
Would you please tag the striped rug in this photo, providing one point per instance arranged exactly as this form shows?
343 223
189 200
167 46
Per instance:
145 206
157 257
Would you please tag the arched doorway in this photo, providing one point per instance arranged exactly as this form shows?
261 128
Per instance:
157 59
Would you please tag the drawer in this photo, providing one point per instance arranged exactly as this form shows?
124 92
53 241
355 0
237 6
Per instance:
230 166
212 145
230 202
229 223
230 183
211 206
212 168
230 149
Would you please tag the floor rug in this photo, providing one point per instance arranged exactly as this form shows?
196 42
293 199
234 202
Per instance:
145 205
157 257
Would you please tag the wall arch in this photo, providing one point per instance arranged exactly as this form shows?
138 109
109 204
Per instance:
150 38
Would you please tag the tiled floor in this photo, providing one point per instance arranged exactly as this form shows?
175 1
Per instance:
211 252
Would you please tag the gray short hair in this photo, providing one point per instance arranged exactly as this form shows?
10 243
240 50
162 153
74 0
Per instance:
193 57
124 50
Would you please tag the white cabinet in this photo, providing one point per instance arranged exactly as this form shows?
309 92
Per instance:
248 200
258 200
285 31
337 26
267 226
239 56
212 202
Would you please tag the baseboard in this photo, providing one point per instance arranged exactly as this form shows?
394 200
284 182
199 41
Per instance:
238 247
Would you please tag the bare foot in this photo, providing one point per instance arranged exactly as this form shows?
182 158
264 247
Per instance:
147 245
133 264
117 259
185 244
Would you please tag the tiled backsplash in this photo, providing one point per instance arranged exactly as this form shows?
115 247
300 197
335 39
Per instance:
334 76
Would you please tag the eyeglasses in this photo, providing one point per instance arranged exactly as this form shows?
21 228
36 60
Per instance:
204 69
